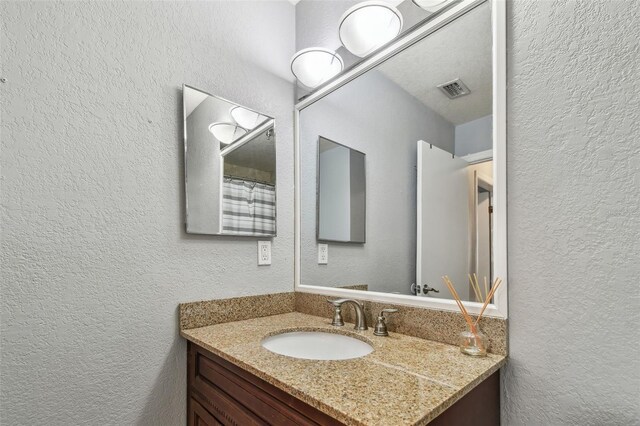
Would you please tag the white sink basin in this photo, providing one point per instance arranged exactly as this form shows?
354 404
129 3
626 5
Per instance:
317 345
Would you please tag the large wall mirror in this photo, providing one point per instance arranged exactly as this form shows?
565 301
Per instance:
428 111
230 167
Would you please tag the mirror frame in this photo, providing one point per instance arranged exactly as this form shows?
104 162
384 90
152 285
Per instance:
270 123
498 29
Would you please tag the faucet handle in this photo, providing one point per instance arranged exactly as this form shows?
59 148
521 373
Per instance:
381 325
337 315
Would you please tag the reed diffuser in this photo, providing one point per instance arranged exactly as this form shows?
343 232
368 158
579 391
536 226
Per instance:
472 341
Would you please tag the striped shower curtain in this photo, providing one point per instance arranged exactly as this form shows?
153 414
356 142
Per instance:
248 207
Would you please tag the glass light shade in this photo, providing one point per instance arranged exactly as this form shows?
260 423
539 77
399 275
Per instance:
431 5
315 65
246 118
368 26
226 133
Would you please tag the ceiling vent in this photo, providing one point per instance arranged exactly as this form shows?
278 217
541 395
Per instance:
454 88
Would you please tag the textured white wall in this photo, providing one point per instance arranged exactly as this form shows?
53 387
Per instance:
574 213
94 256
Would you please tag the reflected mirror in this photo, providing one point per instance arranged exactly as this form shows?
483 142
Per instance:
341 193
230 167
424 118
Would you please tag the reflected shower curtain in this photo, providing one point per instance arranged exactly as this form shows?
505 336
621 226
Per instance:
248 207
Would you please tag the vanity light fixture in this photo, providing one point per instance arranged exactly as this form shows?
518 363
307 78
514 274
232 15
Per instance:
226 133
315 65
431 5
246 118
368 26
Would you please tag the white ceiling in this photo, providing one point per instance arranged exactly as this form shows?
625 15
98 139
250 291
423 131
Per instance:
462 49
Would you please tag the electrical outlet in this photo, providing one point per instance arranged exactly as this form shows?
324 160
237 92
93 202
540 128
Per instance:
323 254
264 253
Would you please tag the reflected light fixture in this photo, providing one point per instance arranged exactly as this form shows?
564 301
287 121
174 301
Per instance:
431 5
368 26
246 118
315 65
226 133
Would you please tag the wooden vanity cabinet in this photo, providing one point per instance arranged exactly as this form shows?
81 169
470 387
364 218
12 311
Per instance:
220 393
480 407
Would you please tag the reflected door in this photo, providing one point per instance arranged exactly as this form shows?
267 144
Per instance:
442 221
483 188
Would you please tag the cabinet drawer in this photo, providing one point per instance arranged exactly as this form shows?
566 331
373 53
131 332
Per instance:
224 409
221 386
198 416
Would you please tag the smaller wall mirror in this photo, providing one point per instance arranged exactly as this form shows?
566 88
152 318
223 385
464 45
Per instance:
230 167
341 191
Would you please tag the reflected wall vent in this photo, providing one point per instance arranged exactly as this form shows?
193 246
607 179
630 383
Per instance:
454 88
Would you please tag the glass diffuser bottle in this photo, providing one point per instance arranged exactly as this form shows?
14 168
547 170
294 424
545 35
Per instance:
473 342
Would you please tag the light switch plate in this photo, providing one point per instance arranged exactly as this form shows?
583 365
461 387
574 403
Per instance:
323 254
264 253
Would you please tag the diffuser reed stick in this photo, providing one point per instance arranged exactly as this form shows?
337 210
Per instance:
496 284
486 289
465 314
475 282
475 289
488 295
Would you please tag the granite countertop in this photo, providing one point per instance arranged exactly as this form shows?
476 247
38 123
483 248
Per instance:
404 381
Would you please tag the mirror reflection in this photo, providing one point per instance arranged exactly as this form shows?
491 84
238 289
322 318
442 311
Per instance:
341 193
230 167
424 119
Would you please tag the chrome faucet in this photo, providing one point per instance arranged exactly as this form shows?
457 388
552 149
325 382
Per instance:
361 321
